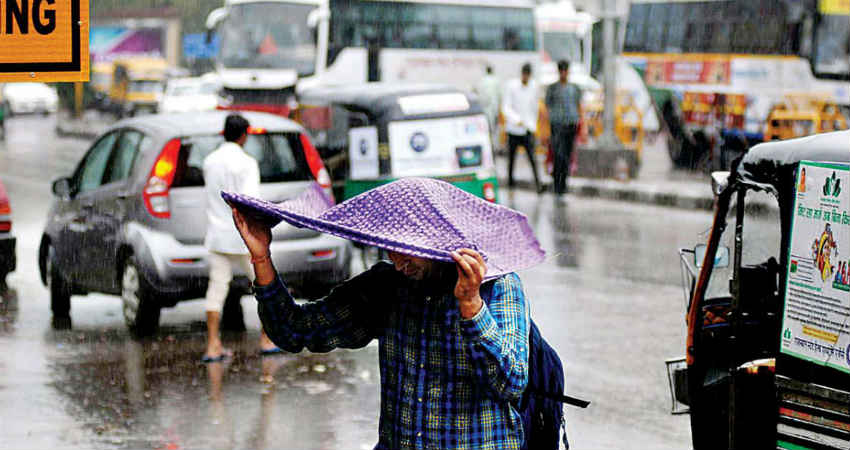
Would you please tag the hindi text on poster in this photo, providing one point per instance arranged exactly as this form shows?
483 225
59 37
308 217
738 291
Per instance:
816 318
44 40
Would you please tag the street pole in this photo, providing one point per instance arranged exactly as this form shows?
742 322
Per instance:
78 100
609 70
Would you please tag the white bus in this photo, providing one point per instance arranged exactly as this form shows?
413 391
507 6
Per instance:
727 64
268 47
565 34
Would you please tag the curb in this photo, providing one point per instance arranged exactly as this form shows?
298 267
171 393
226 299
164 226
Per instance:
76 132
625 192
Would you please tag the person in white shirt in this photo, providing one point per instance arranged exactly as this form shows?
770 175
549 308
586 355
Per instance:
228 168
519 106
489 92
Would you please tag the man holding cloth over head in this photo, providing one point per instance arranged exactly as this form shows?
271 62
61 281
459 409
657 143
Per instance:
451 321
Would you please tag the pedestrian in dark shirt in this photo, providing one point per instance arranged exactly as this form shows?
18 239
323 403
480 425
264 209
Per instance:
451 322
563 101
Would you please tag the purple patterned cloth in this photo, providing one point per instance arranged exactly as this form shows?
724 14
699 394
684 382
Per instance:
420 217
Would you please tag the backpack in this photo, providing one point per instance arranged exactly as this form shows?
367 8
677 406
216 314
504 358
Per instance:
541 404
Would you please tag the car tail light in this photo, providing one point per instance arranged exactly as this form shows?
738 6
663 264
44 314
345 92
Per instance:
159 182
5 210
324 254
316 118
489 192
256 130
317 167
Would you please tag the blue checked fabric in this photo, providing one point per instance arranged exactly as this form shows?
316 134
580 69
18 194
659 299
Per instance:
446 383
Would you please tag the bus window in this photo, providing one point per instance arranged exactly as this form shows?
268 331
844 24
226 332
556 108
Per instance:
832 45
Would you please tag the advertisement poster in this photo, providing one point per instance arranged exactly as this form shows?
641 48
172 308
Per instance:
816 320
363 153
688 71
109 43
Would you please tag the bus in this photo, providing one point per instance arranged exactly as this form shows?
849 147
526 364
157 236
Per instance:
565 34
271 47
723 66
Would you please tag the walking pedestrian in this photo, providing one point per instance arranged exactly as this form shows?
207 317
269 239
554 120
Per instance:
489 91
563 101
452 323
519 106
227 168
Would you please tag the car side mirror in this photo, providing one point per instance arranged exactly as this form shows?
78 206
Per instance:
719 181
721 257
62 187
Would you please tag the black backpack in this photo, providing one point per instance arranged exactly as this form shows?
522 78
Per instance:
541 404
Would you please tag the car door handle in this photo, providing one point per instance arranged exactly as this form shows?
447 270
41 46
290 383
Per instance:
124 195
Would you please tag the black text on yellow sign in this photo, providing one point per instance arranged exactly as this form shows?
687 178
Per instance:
44 40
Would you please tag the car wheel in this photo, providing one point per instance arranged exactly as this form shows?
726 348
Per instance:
140 308
60 291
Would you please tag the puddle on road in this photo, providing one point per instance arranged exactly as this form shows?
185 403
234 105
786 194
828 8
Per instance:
156 394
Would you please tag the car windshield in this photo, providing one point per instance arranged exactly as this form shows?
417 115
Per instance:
270 35
278 155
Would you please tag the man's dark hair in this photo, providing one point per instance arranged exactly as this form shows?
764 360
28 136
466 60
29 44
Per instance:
489 68
234 127
563 65
526 68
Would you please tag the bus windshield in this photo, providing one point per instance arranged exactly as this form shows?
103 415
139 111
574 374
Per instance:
832 45
562 45
268 35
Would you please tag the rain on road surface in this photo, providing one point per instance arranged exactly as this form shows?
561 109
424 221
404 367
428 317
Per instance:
607 298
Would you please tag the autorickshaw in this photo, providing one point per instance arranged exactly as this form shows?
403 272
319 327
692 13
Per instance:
137 85
373 133
767 362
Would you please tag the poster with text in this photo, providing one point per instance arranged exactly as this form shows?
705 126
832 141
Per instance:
815 325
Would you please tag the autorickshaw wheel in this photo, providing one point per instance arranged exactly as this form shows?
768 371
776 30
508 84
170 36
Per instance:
709 414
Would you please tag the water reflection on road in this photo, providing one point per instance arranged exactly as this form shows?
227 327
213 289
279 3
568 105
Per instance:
156 394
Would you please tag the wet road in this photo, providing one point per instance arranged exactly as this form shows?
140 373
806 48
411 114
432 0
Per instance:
607 298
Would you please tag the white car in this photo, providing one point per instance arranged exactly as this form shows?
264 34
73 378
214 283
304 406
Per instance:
189 94
20 98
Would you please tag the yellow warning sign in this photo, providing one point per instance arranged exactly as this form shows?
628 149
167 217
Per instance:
44 40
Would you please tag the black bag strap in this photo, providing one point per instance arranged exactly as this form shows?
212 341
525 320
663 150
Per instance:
562 398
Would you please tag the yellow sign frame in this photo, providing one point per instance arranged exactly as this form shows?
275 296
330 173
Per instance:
46 42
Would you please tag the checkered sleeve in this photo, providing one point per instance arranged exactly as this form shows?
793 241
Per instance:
346 318
497 338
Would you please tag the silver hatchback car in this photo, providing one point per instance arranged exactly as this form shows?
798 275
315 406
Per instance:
131 219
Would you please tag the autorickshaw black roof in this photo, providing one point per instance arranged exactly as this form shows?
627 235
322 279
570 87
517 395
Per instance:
379 100
771 165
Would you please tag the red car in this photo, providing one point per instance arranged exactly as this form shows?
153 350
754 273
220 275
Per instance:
7 239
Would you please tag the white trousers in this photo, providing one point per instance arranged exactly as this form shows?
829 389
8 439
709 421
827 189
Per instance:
221 273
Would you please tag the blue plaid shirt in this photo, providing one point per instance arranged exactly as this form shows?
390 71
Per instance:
446 383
